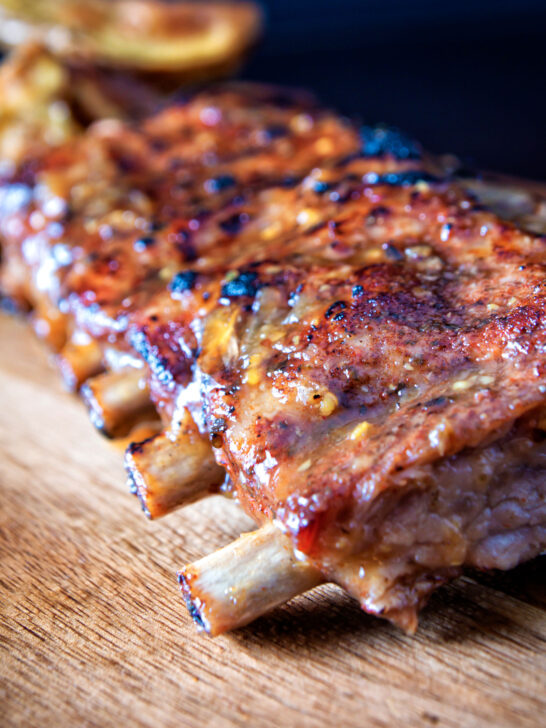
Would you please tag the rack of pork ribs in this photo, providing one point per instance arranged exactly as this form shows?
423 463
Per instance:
329 330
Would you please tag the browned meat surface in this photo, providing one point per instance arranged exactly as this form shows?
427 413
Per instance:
373 380
93 220
358 343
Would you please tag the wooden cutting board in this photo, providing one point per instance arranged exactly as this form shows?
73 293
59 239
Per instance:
93 632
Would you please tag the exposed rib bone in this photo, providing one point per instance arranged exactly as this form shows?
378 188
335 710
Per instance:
78 362
169 471
244 580
50 324
117 400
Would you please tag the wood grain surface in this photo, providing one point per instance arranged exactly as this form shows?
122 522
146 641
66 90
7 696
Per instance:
93 632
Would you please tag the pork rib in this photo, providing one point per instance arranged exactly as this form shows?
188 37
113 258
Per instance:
375 383
352 338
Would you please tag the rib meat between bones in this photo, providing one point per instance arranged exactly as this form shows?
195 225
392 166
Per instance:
361 350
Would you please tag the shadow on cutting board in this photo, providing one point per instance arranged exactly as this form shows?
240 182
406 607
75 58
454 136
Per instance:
478 603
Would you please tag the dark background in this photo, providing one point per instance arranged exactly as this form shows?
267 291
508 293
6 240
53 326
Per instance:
466 77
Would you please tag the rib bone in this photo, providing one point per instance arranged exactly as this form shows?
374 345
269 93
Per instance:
49 323
79 361
244 580
117 400
171 470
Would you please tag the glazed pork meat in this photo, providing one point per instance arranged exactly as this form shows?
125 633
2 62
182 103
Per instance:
373 381
91 226
329 330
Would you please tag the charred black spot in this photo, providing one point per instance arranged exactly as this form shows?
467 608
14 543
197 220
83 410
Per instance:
183 281
400 179
316 227
290 181
192 609
183 241
380 211
276 131
233 224
436 402
294 295
143 243
335 308
218 425
321 187
358 290
136 447
378 141
218 184
245 284
339 316
342 198
392 253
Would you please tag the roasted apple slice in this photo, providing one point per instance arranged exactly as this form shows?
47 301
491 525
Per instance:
189 39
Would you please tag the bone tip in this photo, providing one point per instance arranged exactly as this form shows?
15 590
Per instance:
135 488
75 371
95 413
131 485
70 380
134 481
193 604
